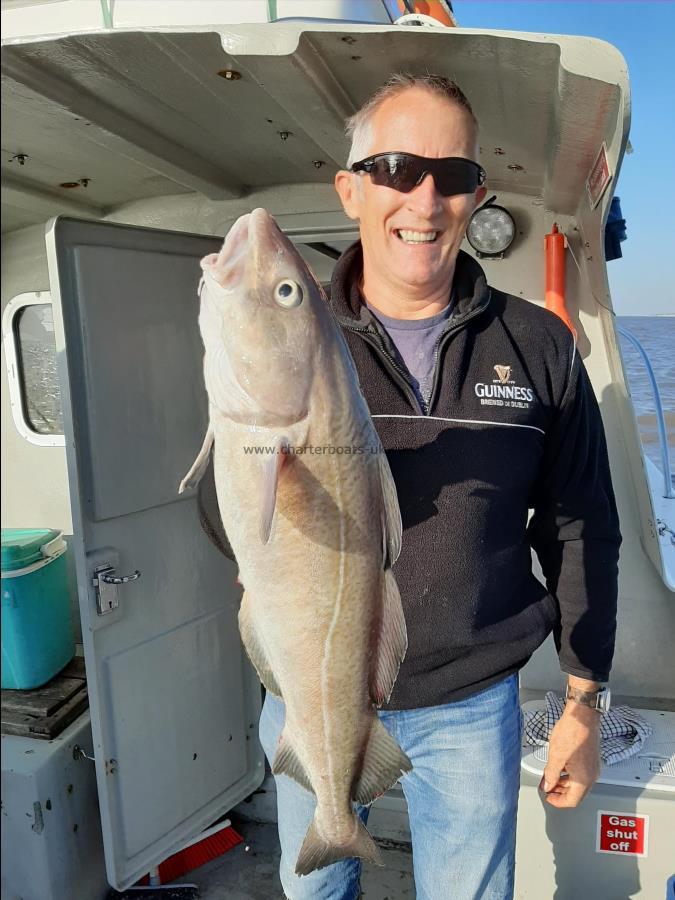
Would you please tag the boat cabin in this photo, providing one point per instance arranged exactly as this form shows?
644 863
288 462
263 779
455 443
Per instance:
134 135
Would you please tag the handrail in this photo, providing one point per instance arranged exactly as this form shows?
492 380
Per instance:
660 420
106 12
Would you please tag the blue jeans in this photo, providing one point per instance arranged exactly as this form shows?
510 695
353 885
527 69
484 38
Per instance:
462 799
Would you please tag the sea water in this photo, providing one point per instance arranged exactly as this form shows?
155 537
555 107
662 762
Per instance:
657 336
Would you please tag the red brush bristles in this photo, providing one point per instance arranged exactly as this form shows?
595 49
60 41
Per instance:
198 854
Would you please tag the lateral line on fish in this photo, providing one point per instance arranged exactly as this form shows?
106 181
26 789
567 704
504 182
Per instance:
327 728
461 421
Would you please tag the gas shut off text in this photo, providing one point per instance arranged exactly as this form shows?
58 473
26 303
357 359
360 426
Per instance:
622 834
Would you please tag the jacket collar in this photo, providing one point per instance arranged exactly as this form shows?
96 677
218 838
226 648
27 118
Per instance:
471 288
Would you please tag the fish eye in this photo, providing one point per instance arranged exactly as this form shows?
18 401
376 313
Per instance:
288 294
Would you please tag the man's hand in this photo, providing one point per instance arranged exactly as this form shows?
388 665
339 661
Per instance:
573 756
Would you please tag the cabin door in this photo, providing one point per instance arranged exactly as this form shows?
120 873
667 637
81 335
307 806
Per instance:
174 701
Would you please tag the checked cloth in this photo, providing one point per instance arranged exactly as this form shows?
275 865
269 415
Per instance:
622 730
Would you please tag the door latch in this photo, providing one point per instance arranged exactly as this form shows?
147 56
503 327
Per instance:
79 753
106 583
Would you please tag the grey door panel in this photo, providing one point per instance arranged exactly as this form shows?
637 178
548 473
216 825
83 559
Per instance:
143 404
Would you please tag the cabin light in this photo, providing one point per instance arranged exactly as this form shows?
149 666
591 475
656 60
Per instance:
491 230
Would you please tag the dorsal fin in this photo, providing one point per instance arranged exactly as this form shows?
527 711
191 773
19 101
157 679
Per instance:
383 764
392 527
392 642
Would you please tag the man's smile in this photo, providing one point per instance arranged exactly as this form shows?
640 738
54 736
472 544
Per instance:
410 236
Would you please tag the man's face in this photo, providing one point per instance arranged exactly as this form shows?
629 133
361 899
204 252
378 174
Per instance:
416 121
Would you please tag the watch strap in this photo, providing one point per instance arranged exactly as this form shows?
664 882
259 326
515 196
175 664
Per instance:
590 699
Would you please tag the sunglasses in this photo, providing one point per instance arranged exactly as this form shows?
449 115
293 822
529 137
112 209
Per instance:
404 171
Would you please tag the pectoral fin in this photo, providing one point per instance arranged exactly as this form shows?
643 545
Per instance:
198 468
271 468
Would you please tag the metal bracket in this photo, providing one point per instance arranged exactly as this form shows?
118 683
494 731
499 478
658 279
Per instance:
663 529
79 753
105 583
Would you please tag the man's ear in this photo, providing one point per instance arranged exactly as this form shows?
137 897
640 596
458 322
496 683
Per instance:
480 195
349 193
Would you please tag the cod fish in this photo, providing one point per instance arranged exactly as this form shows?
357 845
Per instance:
309 506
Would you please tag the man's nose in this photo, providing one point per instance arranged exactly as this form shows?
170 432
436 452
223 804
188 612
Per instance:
425 199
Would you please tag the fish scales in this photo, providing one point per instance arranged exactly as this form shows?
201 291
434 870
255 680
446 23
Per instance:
314 531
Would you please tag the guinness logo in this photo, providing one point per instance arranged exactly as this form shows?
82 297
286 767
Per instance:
503 373
503 391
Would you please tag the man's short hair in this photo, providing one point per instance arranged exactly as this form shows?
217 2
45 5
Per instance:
358 127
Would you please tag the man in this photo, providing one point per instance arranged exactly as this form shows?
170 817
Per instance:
430 341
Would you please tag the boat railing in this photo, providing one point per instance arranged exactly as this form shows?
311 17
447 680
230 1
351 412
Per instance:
660 418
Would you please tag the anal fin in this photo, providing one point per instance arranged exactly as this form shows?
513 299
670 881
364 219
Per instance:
255 649
287 762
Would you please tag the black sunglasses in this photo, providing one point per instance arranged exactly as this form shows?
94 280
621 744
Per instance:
404 171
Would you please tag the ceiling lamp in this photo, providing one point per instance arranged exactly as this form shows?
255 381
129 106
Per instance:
491 230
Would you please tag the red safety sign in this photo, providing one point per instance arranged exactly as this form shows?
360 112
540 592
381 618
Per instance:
622 833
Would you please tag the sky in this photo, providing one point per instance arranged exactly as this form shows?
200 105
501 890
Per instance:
643 281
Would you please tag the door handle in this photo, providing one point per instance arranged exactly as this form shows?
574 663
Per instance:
107 578
105 584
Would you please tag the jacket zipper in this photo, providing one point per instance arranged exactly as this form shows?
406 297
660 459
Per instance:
397 371
442 342
399 375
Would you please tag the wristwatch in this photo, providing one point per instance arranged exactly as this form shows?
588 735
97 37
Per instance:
600 699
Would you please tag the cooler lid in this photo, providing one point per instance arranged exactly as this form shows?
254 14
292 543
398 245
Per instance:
23 546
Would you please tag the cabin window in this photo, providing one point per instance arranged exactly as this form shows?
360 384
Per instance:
30 351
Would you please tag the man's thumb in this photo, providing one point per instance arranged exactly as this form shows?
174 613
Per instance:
554 767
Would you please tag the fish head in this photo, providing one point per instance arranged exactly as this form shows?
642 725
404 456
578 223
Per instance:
262 318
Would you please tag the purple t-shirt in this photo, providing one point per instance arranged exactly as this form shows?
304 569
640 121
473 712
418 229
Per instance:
415 342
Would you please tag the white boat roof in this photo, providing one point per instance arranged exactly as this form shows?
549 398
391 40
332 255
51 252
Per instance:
144 113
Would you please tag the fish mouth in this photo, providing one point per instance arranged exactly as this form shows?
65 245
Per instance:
228 267
266 240
237 235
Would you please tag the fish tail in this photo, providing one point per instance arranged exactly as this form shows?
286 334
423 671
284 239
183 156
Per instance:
317 852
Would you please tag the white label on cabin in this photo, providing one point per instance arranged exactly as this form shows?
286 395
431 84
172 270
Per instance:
599 178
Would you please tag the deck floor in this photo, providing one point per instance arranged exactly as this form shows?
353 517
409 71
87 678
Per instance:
250 871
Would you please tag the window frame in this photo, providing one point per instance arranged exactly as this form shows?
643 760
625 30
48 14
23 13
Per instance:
16 399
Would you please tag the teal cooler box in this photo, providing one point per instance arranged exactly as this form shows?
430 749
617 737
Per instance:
37 629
